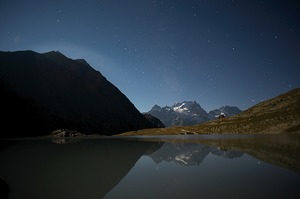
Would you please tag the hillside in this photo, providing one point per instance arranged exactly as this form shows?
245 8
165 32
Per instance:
280 114
43 92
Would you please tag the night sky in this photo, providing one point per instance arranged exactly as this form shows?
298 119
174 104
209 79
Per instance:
216 52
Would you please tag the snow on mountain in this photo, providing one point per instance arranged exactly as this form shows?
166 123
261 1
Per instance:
188 113
180 108
181 113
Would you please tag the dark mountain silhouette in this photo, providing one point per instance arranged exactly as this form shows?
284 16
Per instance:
45 92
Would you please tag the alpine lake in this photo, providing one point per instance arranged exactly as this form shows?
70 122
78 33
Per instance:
183 166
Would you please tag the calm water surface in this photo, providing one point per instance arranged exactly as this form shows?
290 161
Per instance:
207 166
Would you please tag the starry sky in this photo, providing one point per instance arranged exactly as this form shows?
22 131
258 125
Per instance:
216 52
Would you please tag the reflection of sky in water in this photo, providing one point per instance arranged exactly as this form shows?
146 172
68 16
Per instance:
215 177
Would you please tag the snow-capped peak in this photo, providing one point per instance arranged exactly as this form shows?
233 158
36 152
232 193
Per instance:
181 108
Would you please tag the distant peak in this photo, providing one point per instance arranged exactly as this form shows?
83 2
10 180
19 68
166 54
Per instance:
155 107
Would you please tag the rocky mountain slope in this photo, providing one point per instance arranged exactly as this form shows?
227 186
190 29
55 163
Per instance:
280 114
45 92
185 113
188 113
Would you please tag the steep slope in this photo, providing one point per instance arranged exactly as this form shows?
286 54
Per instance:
276 115
280 114
57 92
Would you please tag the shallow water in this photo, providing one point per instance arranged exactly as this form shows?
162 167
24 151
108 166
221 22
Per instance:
207 166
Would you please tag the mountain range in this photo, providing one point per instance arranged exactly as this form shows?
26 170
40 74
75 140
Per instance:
189 113
280 114
43 92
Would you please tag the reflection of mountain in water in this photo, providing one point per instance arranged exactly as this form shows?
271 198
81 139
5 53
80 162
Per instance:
189 154
90 168
85 169
279 149
282 150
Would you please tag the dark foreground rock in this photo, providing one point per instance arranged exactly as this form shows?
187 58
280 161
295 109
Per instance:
4 188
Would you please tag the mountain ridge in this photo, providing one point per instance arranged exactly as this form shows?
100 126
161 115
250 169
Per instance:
189 113
61 93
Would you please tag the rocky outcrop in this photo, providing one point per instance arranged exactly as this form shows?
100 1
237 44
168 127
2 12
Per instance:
66 133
